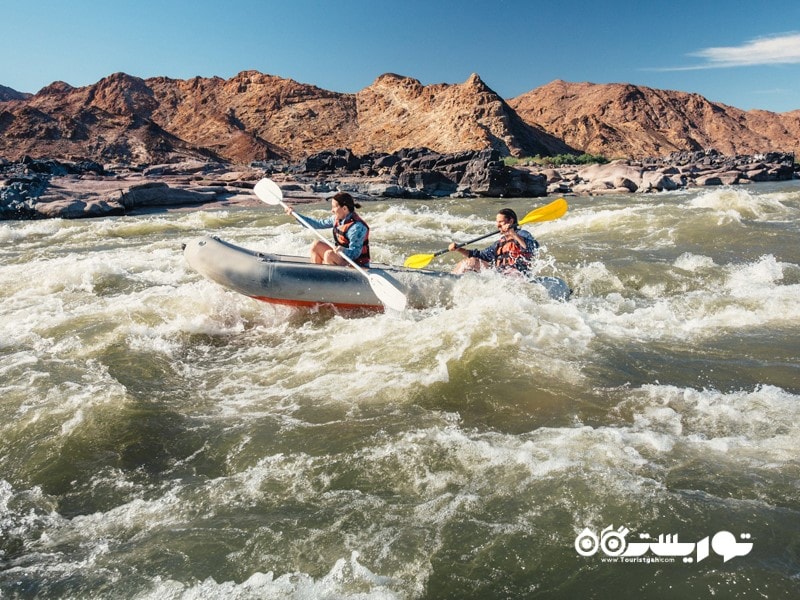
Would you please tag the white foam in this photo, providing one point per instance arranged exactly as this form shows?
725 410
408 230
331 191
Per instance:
744 423
694 263
348 578
735 295
741 203
21 231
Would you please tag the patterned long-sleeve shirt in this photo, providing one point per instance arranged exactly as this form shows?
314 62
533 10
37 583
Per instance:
356 234
523 263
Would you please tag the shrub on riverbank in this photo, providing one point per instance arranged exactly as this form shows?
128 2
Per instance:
558 160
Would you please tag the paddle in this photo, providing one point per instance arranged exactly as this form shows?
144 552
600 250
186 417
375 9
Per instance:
549 212
270 193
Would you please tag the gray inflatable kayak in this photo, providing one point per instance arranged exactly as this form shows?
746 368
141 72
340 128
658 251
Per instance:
296 281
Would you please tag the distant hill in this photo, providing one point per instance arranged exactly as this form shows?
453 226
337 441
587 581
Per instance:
623 120
255 116
6 94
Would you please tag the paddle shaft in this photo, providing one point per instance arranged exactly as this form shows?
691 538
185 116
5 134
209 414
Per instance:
531 217
387 293
308 225
472 241
391 297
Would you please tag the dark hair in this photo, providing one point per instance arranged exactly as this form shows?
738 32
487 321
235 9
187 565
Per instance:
509 214
345 199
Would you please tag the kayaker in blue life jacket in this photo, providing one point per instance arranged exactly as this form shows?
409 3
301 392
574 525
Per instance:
350 233
512 253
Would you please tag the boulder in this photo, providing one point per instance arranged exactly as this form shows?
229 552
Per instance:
68 208
619 174
330 161
552 176
708 180
386 190
160 194
730 177
757 174
187 167
517 183
659 181
432 183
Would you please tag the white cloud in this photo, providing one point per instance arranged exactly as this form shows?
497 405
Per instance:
782 49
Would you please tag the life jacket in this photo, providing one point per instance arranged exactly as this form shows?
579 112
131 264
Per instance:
509 255
340 236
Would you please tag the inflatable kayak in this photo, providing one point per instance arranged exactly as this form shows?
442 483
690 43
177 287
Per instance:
296 281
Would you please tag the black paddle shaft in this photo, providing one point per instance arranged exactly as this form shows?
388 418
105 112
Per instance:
472 241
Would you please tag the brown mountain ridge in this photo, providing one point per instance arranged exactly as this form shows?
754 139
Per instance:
254 116
624 120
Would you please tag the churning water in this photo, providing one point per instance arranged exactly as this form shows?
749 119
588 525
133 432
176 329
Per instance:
161 437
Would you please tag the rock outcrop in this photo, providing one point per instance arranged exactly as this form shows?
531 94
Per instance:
36 189
677 171
48 188
418 173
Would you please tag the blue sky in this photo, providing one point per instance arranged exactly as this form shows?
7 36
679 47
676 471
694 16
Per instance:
741 53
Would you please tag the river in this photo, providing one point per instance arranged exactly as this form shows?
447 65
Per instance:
162 437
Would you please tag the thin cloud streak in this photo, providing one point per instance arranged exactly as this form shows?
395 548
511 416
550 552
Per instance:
774 50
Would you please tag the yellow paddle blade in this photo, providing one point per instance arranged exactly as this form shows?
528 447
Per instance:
554 210
418 261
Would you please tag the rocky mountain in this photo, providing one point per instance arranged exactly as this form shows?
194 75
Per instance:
255 116
399 112
6 93
623 120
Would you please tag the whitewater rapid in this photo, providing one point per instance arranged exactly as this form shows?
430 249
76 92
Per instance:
164 437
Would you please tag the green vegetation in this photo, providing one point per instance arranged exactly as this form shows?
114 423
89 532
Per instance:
556 161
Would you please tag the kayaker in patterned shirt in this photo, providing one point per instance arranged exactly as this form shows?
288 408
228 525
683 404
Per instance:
350 233
512 253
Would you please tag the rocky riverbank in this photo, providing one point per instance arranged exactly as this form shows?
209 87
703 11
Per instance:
38 188
676 171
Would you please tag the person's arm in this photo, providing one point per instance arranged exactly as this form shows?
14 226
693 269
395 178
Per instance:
517 236
487 254
529 252
315 223
356 235
531 245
